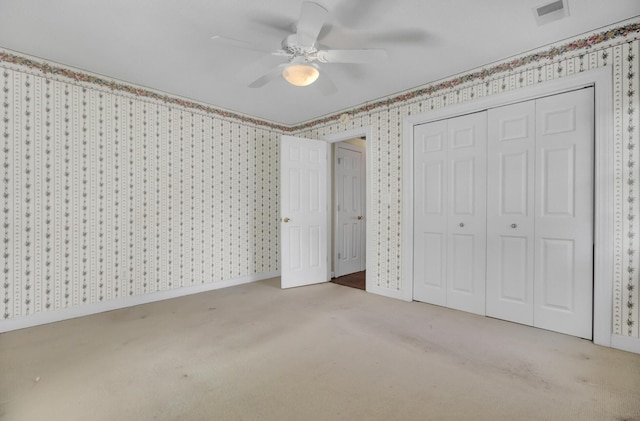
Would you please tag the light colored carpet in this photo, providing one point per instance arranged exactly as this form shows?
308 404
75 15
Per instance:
324 352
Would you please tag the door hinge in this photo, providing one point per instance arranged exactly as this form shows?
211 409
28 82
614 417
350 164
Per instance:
338 256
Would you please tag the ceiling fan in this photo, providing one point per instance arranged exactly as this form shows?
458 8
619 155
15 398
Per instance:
303 54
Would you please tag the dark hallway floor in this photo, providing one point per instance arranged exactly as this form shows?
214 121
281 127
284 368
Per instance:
354 280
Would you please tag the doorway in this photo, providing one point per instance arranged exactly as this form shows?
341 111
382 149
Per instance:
348 188
349 184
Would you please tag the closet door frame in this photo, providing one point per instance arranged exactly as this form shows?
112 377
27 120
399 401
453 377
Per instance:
601 80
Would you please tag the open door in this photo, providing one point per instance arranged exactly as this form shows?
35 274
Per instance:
303 211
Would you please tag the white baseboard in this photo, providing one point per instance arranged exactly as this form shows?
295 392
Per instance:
88 309
626 343
391 293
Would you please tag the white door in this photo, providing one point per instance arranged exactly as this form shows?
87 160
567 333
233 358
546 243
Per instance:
303 211
540 213
538 242
466 219
349 195
430 213
510 204
449 213
564 213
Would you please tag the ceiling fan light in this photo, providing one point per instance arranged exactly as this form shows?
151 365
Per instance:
300 74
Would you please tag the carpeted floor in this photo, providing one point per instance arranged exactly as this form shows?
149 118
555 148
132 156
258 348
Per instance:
323 352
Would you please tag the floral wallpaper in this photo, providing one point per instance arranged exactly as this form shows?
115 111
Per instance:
110 190
107 194
627 98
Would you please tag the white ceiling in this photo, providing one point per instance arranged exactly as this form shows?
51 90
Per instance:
166 44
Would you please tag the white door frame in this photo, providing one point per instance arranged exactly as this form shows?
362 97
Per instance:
601 79
339 137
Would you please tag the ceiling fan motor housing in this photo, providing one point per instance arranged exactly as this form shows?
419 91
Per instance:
292 49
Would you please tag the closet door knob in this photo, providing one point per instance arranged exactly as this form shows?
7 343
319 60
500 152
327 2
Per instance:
286 219
514 226
461 224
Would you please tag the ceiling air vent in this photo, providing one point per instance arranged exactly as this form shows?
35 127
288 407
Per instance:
549 12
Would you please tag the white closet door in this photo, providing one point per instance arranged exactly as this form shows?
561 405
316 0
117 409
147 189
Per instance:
466 216
450 212
430 213
510 212
564 213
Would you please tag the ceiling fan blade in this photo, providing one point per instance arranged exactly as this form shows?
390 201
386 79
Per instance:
326 85
359 14
273 23
312 18
401 36
352 56
268 77
237 43
349 38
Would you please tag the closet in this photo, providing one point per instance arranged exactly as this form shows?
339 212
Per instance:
503 212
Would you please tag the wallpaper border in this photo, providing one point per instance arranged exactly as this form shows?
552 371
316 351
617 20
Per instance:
48 68
547 54
581 42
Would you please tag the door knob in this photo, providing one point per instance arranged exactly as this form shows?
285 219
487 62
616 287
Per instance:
514 226
286 219
359 217
461 224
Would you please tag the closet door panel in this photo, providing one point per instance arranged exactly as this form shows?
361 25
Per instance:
430 212
462 272
514 271
510 222
466 258
564 213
